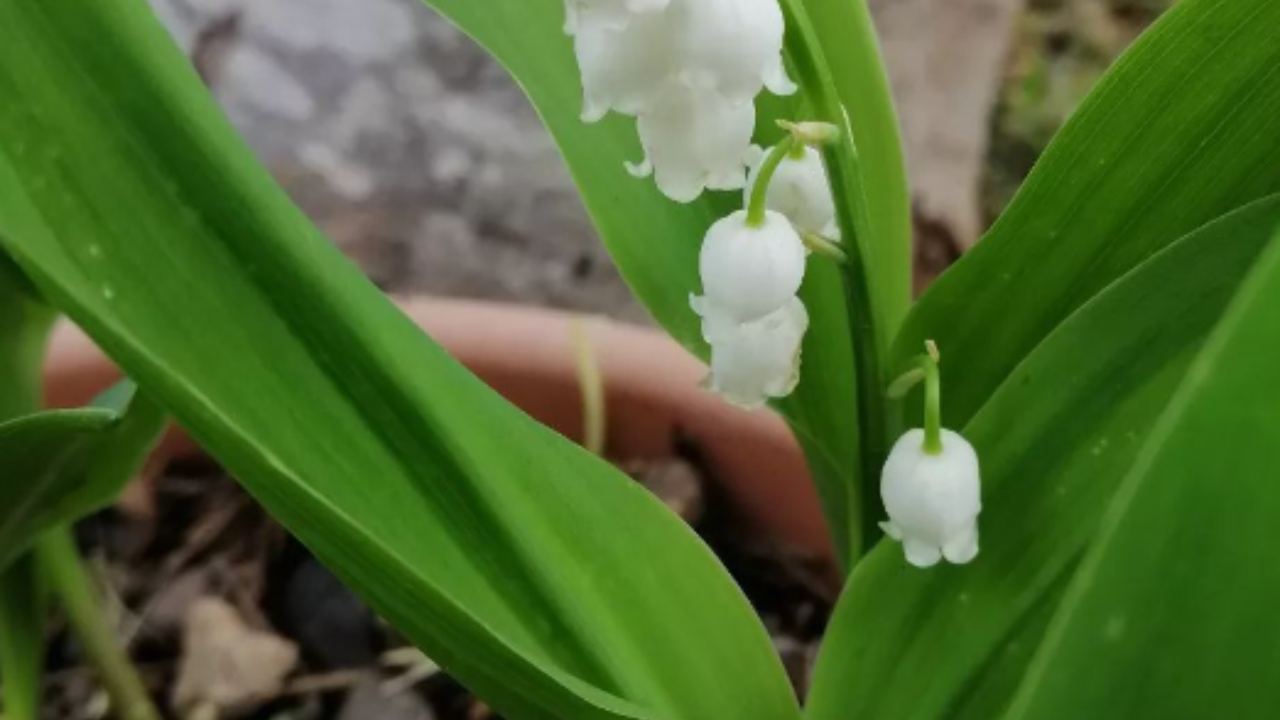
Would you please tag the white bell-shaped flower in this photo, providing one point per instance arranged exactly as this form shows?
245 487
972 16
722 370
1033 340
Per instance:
749 272
592 15
689 70
800 190
626 69
733 47
753 361
933 500
693 141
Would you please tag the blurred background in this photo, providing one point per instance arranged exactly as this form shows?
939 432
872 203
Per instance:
420 157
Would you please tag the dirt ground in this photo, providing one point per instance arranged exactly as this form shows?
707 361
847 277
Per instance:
225 616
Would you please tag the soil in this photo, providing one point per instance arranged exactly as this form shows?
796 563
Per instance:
187 549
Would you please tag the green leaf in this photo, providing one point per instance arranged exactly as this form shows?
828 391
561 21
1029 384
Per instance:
1172 614
42 455
1180 131
1054 441
61 465
655 242
21 640
852 52
543 578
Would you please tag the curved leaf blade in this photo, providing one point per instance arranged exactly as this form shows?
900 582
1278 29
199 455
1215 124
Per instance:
44 457
539 575
847 35
1173 611
1180 131
61 465
1055 439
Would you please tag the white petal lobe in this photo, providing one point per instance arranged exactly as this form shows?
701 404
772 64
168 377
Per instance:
689 71
737 44
754 361
695 141
625 70
592 15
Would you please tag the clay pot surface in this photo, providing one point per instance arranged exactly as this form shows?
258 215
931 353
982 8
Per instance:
652 394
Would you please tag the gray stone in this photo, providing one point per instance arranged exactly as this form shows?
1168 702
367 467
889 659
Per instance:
406 143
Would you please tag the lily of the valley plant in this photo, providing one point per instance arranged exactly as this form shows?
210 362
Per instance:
1081 530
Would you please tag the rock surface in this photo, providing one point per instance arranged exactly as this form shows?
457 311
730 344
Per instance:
409 146
227 666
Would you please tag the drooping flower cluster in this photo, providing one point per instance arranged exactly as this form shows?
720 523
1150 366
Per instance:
689 71
751 316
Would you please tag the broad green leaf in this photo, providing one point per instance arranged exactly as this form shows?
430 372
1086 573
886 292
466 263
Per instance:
1173 611
1055 440
61 465
1180 131
21 640
41 456
655 242
539 575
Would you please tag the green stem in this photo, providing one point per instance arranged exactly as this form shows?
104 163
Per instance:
824 247
70 582
926 371
760 190
24 333
863 86
868 332
21 639
932 406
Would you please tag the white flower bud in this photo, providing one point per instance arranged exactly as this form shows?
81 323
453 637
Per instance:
749 272
933 501
694 140
592 15
754 361
801 191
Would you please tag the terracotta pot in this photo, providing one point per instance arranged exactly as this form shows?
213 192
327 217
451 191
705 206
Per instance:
652 397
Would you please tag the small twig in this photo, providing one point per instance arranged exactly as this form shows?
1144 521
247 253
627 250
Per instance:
417 667
326 682
591 382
